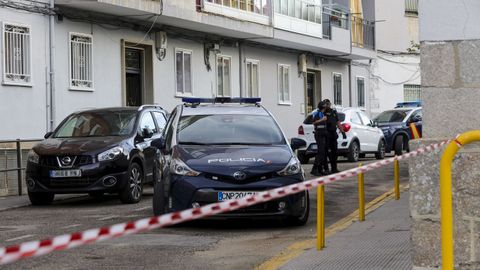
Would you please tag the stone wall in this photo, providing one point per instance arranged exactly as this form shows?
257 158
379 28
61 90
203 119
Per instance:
451 95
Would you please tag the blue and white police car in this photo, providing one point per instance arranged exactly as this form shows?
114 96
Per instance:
222 149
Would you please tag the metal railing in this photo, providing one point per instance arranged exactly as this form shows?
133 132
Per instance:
332 18
363 33
18 156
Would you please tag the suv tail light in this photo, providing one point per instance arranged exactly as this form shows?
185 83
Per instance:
301 131
346 127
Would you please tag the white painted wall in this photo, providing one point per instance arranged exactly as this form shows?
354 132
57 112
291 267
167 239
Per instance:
23 109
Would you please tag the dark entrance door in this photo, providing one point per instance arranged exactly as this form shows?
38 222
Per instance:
310 92
134 76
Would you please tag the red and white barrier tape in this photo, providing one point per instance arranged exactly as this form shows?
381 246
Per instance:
36 248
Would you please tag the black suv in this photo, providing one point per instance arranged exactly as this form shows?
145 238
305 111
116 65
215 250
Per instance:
96 152
223 149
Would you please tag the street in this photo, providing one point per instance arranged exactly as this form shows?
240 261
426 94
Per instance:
231 244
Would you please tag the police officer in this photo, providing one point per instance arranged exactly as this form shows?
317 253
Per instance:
320 131
332 124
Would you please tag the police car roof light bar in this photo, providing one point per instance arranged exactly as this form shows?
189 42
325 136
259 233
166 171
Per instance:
222 100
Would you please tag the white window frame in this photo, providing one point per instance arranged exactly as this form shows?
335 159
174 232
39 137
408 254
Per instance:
280 78
247 76
364 91
6 81
341 87
223 75
183 93
70 79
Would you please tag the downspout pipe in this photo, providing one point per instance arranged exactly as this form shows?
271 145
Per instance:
51 89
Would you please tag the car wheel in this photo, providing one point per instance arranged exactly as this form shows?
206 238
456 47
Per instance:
399 145
133 191
303 218
96 194
381 150
41 198
159 201
353 152
304 159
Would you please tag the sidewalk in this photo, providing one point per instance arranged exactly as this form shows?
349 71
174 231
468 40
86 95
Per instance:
11 202
382 241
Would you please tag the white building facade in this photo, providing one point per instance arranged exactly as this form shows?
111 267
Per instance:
291 53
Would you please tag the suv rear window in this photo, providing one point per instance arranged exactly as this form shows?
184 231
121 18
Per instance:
97 124
229 130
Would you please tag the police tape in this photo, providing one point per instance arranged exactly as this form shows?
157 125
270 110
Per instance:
36 248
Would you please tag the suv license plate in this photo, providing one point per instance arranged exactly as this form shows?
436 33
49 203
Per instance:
233 195
65 173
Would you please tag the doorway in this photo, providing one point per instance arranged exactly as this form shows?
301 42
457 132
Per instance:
134 58
313 92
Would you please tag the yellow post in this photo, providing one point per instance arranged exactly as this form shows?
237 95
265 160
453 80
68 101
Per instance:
396 173
446 218
320 217
361 196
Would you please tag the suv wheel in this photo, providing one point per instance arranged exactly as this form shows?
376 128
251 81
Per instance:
353 152
381 150
304 159
303 218
398 145
133 191
41 198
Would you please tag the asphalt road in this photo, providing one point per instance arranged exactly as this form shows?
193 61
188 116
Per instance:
237 244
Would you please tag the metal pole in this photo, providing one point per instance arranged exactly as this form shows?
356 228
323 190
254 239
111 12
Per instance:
52 65
361 196
19 167
396 173
320 217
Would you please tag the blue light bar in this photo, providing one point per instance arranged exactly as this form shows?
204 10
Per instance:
222 100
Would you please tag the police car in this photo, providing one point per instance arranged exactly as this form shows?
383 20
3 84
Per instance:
214 150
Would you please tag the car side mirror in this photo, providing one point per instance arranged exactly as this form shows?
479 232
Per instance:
296 143
159 143
147 133
48 134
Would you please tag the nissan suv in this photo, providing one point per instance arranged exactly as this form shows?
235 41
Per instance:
97 151
221 149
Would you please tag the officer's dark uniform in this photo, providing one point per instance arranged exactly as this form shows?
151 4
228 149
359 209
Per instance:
321 140
332 136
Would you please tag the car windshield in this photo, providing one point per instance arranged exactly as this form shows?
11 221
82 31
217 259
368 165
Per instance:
97 124
229 130
392 116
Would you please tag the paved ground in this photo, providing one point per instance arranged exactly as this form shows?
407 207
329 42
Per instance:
382 241
202 245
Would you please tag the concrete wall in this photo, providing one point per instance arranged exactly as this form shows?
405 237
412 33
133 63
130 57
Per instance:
26 104
451 90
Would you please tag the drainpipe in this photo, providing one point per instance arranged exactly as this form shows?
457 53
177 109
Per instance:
51 26
240 59
350 83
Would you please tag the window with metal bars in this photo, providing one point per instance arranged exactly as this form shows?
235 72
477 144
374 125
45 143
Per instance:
223 75
183 71
411 7
337 88
411 92
252 77
17 54
284 84
361 91
81 61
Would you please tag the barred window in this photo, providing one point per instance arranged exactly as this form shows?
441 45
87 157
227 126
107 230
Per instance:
252 77
224 67
411 7
337 88
284 84
411 92
361 91
81 62
17 54
183 71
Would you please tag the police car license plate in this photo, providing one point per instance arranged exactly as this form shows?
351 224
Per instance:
65 173
233 195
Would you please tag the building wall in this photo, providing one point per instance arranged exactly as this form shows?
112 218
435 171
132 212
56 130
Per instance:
23 109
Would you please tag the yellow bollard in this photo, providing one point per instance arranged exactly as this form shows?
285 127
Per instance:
396 173
361 196
446 217
320 217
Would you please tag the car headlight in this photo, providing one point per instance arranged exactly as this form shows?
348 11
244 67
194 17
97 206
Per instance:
33 157
179 167
110 154
293 167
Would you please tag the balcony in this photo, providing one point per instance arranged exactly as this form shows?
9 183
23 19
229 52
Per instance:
363 33
300 16
257 11
116 7
333 18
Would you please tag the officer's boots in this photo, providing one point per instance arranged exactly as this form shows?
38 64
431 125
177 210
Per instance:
315 171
